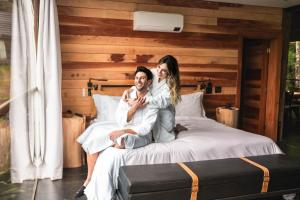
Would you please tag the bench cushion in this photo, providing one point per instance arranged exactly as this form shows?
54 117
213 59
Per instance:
217 178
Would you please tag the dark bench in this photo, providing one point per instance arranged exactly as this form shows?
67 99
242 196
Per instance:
254 177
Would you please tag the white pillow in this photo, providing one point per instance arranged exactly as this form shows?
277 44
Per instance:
191 105
106 106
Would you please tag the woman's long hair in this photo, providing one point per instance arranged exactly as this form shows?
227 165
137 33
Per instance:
173 79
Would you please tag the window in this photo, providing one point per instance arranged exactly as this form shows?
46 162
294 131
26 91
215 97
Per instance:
5 40
293 69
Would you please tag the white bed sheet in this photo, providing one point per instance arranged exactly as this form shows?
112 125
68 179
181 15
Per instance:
205 139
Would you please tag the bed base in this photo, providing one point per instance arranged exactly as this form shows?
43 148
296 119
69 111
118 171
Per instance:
257 177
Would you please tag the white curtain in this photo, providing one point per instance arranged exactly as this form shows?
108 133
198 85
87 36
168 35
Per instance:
35 112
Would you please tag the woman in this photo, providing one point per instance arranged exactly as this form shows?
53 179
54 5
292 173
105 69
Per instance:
165 91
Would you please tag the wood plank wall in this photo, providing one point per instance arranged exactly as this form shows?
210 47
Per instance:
97 41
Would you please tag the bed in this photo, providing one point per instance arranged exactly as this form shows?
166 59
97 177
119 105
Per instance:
205 139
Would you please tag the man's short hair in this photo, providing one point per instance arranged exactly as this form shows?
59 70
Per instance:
145 70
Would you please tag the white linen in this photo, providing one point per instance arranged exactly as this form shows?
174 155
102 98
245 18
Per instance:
106 106
49 91
36 145
20 112
205 140
191 105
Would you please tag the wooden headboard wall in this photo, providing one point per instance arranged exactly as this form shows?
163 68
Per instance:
97 41
117 90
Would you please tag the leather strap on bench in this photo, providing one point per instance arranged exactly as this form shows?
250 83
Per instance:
266 179
195 181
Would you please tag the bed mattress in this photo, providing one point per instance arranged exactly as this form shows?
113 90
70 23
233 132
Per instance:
205 139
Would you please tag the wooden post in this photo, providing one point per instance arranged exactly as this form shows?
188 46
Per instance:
272 101
239 71
4 146
286 27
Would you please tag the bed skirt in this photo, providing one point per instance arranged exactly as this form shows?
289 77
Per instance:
233 178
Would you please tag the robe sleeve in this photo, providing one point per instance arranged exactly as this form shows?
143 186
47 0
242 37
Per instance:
161 100
148 122
121 113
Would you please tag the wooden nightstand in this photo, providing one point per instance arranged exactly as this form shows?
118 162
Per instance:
72 128
228 116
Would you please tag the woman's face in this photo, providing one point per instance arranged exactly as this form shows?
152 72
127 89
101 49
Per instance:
162 71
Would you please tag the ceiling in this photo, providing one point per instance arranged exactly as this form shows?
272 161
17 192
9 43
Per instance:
267 3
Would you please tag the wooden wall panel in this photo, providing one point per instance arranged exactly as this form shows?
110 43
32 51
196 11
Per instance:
97 41
117 49
272 101
242 12
201 41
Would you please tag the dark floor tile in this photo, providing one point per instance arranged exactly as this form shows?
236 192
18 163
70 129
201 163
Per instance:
46 189
291 150
290 142
61 189
15 191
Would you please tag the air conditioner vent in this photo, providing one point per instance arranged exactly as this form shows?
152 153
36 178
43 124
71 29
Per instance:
159 22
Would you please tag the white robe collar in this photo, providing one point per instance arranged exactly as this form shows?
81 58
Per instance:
157 85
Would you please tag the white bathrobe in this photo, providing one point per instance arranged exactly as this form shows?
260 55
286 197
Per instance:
96 137
160 97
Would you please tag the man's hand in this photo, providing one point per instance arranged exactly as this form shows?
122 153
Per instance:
138 103
115 134
131 102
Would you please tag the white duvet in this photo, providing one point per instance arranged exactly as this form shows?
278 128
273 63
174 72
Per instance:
205 139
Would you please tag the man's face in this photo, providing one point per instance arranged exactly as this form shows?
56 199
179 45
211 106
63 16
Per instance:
141 82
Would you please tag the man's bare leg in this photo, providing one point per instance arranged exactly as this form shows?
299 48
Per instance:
91 161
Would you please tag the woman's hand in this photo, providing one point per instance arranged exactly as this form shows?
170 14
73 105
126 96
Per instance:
125 95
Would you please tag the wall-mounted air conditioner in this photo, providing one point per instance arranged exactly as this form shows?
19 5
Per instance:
159 22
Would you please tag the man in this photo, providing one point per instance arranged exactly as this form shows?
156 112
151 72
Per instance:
133 128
